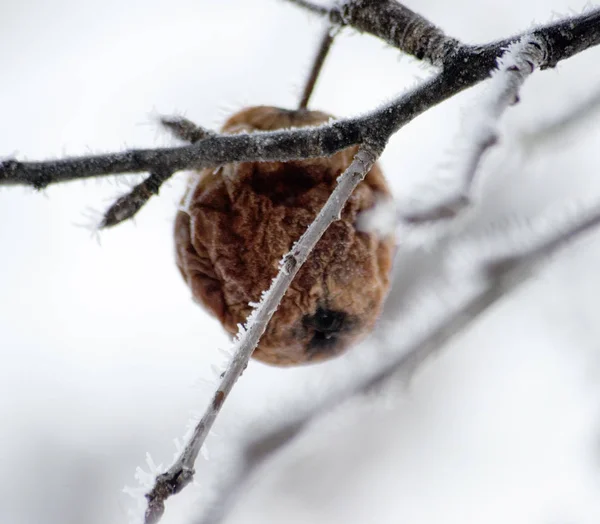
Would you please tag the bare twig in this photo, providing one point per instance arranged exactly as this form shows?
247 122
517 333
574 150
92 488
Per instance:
514 67
319 60
391 21
185 129
310 6
128 205
398 26
181 472
463 68
411 33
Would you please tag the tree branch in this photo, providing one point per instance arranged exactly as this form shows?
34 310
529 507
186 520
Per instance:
129 204
463 68
398 26
185 129
393 23
309 6
515 66
411 33
319 60
182 471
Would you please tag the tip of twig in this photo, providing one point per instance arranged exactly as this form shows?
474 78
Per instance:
124 208
184 129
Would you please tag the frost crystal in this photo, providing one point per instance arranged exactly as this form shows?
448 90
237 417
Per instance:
145 482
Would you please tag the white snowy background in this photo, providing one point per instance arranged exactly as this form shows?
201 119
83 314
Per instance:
104 357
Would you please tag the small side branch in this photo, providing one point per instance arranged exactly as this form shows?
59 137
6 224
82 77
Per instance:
463 68
185 129
311 7
182 471
411 33
322 52
393 23
514 67
128 205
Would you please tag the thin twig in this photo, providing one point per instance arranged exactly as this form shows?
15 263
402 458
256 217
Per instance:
319 60
463 68
411 33
126 206
182 471
520 60
392 22
310 6
185 129
398 26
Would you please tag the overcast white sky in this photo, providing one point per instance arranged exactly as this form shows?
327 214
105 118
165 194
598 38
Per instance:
103 356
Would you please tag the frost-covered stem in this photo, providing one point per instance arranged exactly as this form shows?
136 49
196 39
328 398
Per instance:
394 23
398 26
516 64
317 66
128 205
184 129
182 471
310 6
501 276
463 68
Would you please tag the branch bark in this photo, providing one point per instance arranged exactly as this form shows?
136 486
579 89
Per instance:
319 60
464 66
398 26
181 473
